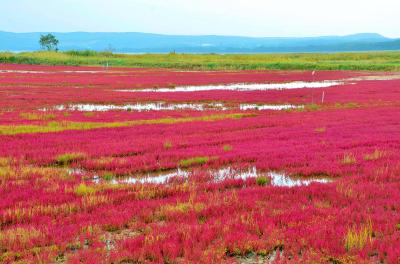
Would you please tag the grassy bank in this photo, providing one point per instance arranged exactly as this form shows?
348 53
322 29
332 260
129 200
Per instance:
376 61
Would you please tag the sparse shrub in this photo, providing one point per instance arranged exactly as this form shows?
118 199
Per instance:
358 238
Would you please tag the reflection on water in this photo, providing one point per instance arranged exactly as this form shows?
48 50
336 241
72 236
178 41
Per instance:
278 179
75 171
153 178
281 179
268 107
241 87
139 107
162 106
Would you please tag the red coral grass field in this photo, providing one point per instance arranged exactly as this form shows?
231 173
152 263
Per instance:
99 166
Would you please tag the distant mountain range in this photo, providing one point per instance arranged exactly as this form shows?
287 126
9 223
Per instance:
155 43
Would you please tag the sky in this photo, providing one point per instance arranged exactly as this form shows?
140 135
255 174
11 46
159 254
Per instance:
261 18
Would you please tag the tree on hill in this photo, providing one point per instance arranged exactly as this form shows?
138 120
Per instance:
48 42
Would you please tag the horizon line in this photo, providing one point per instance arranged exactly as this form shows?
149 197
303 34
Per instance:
197 35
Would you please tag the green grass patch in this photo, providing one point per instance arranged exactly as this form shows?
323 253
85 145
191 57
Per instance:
227 148
68 158
194 161
37 116
349 105
108 176
372 61
168 145
83 190
88 114
263 180
320 129
377 154
348 159
312 107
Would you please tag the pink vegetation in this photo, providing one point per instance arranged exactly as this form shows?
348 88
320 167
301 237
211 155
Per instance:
63 196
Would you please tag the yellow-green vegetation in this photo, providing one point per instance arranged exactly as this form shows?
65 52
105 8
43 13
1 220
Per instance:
377 154
227 148
346 105
183 207
5 168
66 125
262 180
389 60
311 107
10 171
320 129
21 235
167 144
348 159
358 238
194 161
67 158
5 161
88 114
108 176
83 190
108 160
307 107
37 116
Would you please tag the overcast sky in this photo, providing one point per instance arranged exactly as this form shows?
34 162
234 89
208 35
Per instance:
215 17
